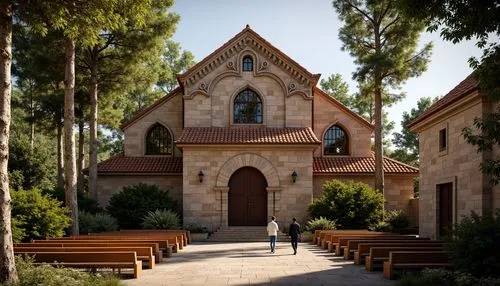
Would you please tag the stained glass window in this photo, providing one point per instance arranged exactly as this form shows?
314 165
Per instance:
158 141
247 108
335 141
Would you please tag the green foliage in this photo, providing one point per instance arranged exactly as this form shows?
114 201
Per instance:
397 219
381 226
133 203
351 204
161 219
445 277
37 216
196 228
92 223
85 204
30 274
406 142
474 246
174 62
337 88
320 223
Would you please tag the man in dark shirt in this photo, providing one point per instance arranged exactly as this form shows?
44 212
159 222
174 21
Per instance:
294 233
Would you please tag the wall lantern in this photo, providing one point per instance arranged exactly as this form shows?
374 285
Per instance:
294 176
200 176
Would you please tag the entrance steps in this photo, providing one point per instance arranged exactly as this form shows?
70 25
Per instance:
244 234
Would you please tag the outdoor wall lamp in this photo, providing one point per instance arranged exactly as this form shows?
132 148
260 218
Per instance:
200 176
294 176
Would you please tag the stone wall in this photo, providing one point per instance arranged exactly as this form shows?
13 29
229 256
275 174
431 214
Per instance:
458 164
169 114
110 185
398 188
327 114
206 203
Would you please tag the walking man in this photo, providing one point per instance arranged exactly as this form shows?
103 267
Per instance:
272 231
294 233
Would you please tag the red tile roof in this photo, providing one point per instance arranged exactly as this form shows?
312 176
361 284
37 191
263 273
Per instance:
464 88
120 164
327 165
247 135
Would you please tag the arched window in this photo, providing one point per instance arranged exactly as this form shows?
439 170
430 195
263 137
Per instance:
247 63
158 141
247 108
335 141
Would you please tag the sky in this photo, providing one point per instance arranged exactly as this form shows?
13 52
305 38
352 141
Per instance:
307 31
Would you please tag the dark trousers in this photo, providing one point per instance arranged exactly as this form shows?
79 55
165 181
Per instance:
295 242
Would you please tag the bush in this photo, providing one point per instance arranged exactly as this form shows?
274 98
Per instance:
92 223
133 203
353 205
37 216
57 276
474 246
85 203
195 228
445 277
381 226
397 219
161 219
320 223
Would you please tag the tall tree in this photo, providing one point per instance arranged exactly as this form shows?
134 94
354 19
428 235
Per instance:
8 271
406 142
174 61
384 45
465 20
337 88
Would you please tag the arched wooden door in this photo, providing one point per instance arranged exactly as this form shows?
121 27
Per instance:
247 198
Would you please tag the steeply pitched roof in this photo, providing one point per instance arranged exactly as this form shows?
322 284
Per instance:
150 108
212 59
120 164
464 88
247 135
339 104
343 165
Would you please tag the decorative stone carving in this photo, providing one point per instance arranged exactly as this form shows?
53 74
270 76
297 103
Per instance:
204 86
292 87
231 66
263 66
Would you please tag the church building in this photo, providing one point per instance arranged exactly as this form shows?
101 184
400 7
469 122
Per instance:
247 135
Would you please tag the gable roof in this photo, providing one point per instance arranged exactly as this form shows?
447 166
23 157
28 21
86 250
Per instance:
218 56
247 135
150 108
347 165
119 164
339 104
464 88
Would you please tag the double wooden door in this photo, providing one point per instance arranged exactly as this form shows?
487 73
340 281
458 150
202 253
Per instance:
247 198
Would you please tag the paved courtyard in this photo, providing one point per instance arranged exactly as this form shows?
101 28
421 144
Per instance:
252 263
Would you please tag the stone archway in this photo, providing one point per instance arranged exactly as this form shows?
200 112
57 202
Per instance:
247 160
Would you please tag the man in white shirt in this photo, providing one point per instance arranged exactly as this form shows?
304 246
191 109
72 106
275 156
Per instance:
272 231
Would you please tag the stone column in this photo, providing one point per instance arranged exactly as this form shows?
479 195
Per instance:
222 205
273 201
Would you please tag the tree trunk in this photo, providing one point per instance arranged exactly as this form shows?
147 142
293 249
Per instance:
32 120
93 126
69 139
379 151
81 156
8 271
60 161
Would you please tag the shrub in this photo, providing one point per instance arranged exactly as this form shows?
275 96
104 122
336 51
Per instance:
85 203
474 246
195 228
161 219
133 203
320 223
397 219
351 204
96 223
37 216
381 226
445 277
58 276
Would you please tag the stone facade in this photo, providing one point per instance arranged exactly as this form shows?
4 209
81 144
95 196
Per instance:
457 164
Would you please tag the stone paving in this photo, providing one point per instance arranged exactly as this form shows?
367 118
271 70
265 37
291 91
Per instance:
253 264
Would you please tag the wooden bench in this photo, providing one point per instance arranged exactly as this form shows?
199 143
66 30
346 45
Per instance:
90 260
342 240
348 249
172 239
364 247
405 260
162 243
176 239
378 255
323 235
185 233
143 253
331 240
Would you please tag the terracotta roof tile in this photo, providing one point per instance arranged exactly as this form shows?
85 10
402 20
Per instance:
247 135
326 165
464 88
120 164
